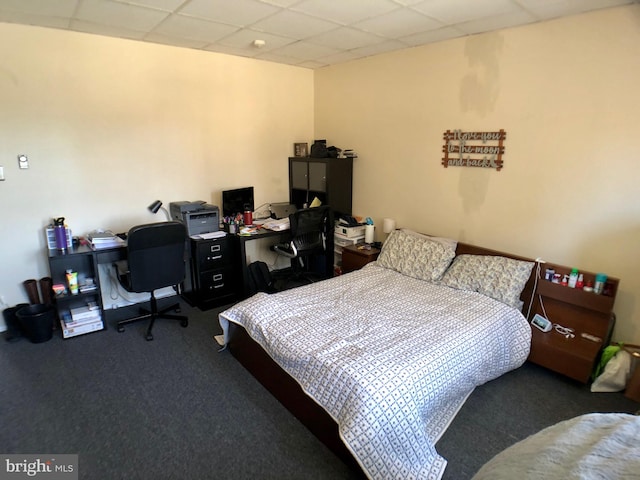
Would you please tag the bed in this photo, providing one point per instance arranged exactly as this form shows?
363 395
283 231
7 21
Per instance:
389 352
591 446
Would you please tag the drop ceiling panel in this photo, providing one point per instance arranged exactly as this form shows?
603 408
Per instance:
308 33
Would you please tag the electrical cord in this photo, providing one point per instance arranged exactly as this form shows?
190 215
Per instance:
566 331
561 329
535 287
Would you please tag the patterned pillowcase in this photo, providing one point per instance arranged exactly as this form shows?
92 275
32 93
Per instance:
416 256
500 278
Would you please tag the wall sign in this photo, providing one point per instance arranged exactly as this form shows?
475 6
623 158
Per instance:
473 149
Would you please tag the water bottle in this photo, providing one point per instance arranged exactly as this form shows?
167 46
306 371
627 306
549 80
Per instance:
61 234
247 217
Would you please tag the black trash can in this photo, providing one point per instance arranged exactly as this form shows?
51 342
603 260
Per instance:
14 332
36 322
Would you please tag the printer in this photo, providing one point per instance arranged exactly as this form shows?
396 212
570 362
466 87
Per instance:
199 217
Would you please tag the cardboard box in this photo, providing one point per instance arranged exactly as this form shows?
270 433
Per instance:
350 232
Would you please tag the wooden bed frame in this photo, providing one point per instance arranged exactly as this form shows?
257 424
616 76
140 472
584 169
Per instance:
287 390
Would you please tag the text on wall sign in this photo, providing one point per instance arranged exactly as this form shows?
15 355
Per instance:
473 149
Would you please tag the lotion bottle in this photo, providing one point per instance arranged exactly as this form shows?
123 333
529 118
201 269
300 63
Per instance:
72 280
573 278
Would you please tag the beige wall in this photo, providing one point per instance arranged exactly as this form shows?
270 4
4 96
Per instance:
109 125
565 91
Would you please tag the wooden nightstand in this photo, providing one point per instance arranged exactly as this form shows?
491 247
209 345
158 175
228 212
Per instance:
355 257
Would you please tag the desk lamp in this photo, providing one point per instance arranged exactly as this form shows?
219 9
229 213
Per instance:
157 205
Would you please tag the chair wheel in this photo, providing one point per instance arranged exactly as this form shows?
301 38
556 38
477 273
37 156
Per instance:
184 323
149 337
120 329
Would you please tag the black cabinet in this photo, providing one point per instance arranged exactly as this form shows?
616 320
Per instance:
81 312
215 272
328 179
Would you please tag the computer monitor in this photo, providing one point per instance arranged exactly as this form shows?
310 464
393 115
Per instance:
235 201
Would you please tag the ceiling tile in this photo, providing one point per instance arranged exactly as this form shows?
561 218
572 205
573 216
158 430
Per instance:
399 23
346 38
166 5
305 51
345 12
310 33
338 58
294 25
455 11
106 30
422 38
103 12
236 12
45 8
281 3
175 41
33 19
495 23
244 39
384 47
194 29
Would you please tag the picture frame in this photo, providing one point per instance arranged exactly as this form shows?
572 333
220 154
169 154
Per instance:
300 149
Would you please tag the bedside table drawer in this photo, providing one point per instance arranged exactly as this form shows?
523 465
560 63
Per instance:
355 259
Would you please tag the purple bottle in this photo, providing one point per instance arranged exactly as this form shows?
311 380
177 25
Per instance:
61 234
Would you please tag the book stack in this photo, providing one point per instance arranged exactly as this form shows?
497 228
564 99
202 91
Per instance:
83 320
104 239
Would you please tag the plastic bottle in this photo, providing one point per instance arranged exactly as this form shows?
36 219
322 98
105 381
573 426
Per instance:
72 280
573 278
580 282
601 279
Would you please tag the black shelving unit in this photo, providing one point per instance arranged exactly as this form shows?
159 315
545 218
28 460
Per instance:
83 261
328 179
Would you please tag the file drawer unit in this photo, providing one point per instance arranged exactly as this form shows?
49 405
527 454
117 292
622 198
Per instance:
214 272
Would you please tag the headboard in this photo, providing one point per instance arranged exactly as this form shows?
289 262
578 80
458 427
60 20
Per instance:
586 313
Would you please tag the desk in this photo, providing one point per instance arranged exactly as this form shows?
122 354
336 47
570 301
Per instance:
242 241
325 265
86 262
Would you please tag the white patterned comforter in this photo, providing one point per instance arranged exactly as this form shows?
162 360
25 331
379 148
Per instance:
391 358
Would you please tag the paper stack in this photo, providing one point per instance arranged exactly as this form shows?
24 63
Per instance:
104 239
83 320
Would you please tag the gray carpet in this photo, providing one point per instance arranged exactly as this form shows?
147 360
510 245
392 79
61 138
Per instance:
176 408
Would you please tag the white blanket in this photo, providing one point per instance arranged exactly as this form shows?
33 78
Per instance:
389 357
596 446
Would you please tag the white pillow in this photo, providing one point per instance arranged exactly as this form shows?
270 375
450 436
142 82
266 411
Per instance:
415 255
500 278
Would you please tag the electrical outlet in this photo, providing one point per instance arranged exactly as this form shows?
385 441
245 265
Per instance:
1 173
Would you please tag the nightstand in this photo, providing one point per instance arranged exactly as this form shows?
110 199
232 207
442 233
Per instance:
355 257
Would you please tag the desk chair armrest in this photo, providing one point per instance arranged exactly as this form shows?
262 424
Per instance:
285 250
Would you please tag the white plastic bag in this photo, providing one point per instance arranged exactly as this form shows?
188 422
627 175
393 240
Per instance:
616 374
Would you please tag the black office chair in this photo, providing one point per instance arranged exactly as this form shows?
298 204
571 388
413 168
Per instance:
311 236
155 259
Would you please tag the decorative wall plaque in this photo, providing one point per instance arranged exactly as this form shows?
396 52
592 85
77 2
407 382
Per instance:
473 149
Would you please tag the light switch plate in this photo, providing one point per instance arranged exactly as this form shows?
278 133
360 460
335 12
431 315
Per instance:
23 161
1 173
